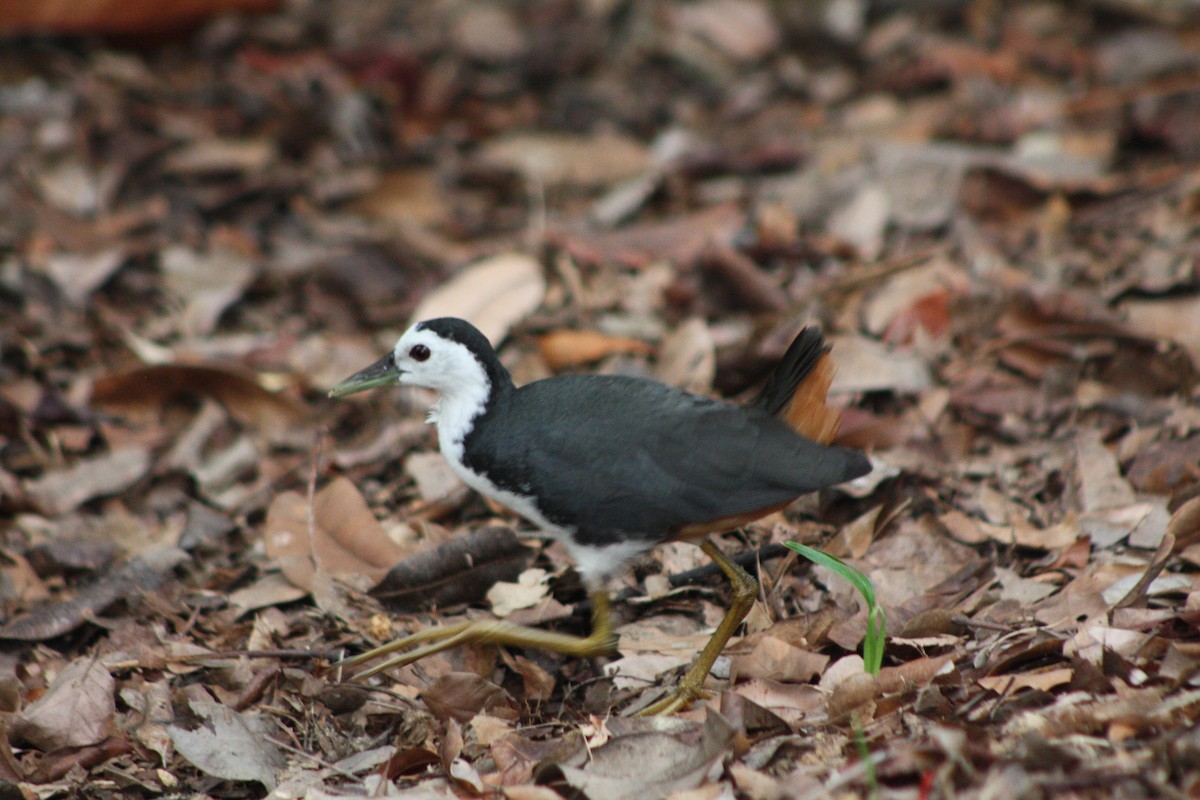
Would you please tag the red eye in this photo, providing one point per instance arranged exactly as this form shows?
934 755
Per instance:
419 352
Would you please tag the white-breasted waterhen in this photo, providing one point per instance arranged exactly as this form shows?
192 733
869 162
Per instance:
612 466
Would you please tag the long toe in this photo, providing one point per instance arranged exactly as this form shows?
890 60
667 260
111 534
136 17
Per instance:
684 695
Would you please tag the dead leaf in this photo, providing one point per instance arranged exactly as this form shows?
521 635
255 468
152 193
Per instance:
435 479
77 710
1101 484
462 695
459 570
867 366
688 358
343 538
554 160
154 387
142 573
529 590
569 348
112 16
493 294
205 283
206 156
58 492
230 745
78 275
1042 680
779 661
654 758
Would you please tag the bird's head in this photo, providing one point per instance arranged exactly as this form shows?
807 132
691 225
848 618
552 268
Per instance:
447 355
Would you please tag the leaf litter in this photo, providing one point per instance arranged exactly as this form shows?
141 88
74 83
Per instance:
990 213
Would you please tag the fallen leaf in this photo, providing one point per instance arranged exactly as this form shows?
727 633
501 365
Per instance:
77 710
554 160
1101 484
239 392
868 366
569 348
529 590
1042 680
687 358
205 283
493 294
779 661
653 759
142 573
58 492
230 745
462 695
342 537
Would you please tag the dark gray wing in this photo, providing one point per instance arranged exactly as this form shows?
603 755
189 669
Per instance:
610 454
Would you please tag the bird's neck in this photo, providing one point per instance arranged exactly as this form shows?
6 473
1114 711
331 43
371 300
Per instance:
458 407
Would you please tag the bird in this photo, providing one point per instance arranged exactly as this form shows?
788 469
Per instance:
612 466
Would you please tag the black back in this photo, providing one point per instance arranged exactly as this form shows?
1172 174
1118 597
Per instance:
623 458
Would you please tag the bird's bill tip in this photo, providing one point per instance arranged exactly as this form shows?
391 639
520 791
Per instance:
382 373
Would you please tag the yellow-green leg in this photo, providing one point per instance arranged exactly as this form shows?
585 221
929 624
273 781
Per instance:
745 590
601 640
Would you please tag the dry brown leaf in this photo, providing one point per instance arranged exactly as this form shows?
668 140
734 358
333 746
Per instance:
405 197
654 758
1042 680
239 392
343 538
688 357
531 588
230 745
115 16
58 492
462 695
865 365
493 294
77 710
779 661
570 348
558 159
1101 484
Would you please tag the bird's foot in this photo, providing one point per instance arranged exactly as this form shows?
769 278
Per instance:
686 693
434 640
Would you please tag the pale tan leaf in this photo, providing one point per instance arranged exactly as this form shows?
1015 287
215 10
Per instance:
493 294
77 710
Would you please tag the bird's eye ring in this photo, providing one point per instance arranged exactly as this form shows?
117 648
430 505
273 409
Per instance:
419 352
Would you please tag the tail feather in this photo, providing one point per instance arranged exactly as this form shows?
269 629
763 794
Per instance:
797 390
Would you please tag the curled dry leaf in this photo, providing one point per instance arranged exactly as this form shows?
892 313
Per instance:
457 571
531 587
142 573
230 745
568 348
77 710
689 357
205 283
65 490
554 160
462 695
115 16
777 660
345 538
239 392
650 758
493 294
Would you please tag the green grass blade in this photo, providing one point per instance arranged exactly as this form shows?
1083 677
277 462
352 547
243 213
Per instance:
876 633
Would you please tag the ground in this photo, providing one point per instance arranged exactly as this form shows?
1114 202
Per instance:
992 210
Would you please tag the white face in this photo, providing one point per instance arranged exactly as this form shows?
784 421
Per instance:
425 359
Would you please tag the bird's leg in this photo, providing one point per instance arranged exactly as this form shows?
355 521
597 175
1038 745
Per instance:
745 590
601 640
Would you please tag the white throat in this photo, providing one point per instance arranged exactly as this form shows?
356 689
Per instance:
454 413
